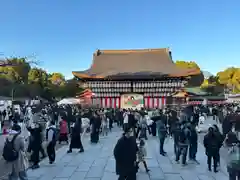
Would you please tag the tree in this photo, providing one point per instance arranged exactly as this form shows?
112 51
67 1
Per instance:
72 87
69 89
57 79
213 80
9 74
229 78
194 80
38 76
16 69
21 67
236 81
18 75
205 84
186 64
212 86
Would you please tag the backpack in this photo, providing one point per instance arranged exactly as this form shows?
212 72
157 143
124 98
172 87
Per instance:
234 157
184 135
54 138
9 152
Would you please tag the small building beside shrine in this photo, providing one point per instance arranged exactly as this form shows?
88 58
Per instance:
133 78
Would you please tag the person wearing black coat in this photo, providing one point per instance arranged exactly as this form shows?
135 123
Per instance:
95 122
76 142
193 142
211 143
176 137
221 139
125 155
227 125
35 144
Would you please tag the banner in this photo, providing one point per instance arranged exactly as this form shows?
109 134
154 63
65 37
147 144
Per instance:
132 101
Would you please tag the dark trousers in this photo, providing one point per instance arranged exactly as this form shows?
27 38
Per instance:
110 125
169 130
137 132
35 156
210 157
143 133
94 137
130 176
162 140
218 157
118 123
80 146
51 152
134 131
63 137
125 126
233 175
42 151
149 129
121 122
182 150
193 151
153 129
22 175
175 146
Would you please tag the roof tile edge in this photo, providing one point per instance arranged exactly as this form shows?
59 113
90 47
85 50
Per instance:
126 51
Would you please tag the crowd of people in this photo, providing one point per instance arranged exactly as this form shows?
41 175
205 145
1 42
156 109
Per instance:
51 124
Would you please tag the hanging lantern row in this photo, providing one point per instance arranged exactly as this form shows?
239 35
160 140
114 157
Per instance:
157 94
154 89
111 89
158 84
115 84
107 94
109 84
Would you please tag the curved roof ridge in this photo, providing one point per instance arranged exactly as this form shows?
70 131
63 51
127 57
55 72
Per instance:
126 51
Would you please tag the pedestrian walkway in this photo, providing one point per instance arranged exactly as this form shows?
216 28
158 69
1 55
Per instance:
97 163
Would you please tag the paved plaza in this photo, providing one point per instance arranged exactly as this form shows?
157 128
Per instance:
97 163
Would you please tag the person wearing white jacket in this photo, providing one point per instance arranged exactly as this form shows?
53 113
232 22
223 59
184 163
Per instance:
85 126
125 120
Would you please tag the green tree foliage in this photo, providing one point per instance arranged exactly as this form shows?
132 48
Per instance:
17 71
21 67
212 86
19 77
230 79
194 80
187 64
38 76
57 79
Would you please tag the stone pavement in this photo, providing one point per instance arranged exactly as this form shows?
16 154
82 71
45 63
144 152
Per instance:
97 163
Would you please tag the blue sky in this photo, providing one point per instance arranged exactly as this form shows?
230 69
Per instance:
63 34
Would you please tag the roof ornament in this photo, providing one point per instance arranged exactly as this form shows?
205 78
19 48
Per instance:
98 52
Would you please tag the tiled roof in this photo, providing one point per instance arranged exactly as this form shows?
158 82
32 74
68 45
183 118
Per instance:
142 62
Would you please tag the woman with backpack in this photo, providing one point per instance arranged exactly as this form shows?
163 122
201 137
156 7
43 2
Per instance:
15 155
233 165
51 137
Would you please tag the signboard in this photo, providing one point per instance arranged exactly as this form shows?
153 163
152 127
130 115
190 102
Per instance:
132 101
